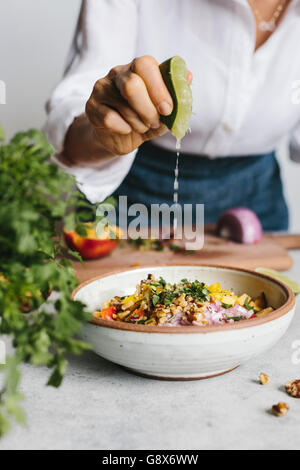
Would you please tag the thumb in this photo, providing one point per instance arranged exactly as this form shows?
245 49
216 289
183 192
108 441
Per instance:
154 133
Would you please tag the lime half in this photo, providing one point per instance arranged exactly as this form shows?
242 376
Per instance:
175 75
280 277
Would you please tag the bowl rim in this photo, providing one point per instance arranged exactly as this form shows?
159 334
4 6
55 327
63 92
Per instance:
194 329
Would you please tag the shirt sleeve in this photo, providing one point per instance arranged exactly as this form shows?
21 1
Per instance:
105 37
295 145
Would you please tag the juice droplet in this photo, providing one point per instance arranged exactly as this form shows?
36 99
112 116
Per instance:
175 225
176 183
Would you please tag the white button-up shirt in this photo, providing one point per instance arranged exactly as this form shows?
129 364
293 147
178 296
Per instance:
244 101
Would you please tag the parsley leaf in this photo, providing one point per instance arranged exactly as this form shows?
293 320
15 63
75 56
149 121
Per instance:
36 196
226 305
195 289
246 304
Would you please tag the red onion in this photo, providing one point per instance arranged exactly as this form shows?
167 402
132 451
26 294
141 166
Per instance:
240 225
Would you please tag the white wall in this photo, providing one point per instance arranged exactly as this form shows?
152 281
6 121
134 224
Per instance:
34 38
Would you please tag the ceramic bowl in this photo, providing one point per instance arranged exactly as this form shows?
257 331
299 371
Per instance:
186 352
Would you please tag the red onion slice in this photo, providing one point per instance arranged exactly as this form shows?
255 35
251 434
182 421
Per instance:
240 225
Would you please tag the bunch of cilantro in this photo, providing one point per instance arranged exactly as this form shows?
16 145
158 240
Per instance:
35 196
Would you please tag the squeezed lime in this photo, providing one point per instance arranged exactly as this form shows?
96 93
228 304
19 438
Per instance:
281 277
175 75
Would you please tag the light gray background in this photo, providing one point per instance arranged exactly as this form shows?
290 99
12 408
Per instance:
34 38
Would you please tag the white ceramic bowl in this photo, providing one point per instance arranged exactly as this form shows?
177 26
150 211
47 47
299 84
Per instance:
186 352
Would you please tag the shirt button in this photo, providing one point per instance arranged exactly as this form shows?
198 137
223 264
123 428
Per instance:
227 128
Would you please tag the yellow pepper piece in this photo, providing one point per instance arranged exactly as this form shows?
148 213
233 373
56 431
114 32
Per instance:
229 299
242 299
264 312
218 297
215 288
130 298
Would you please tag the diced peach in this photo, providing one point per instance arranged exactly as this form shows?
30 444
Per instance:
90 246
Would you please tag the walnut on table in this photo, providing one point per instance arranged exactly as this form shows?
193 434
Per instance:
281 409
293 388
264 379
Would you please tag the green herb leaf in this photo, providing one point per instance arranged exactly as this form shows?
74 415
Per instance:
155 299
246 304
196 289
2 134
36 196
167 298
226 305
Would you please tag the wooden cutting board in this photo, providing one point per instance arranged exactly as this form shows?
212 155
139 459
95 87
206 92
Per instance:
270 253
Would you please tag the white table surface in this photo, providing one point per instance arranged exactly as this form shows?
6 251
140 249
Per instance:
101 406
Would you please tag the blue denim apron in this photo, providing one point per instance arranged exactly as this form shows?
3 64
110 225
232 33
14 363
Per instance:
219 184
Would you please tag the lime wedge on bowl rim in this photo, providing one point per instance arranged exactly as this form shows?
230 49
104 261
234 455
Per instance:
175 75
280 277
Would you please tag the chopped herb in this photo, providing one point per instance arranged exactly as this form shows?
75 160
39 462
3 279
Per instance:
175 248
172 318
197 290
157 245
146 244
226 305
167 297
155 299
135 315
246 304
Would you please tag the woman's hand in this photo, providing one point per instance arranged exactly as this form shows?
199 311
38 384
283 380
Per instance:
123 112
125 106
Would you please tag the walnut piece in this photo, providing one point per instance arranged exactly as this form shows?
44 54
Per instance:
293 388
281 409
264 379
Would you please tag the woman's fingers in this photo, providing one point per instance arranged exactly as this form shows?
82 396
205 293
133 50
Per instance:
190 77
148 69
131 98
131 117
134 91
154 133
105 118
106 92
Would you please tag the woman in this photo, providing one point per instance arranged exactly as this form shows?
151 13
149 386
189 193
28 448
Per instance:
245 59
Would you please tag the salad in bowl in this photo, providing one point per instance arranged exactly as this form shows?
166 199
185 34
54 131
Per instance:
184 322
157 302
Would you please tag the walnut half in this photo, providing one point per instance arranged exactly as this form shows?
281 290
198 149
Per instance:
293 388
264 379
281 409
